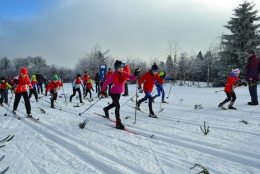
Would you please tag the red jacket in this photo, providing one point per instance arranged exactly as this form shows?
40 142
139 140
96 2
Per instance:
22 85
89 85
231 83
109 74
53 87
85 78
149 79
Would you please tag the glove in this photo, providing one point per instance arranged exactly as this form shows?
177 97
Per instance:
140 89
244 83
238 82
16 81
137 71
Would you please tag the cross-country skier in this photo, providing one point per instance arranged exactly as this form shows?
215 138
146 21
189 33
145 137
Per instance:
118 80
232 82
149 79
53 86
76 87
22 83
4 85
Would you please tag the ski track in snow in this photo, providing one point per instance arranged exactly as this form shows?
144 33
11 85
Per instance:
56 144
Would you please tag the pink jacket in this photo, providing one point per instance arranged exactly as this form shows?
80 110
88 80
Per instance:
118 81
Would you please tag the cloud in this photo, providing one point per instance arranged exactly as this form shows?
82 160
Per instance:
65 31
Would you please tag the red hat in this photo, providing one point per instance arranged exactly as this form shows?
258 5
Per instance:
24 71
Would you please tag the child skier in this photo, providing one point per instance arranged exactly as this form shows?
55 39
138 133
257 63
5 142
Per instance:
118 80
149 80
76 87
21 84
4 85
53 86
160 86
34 85
232 82
88 89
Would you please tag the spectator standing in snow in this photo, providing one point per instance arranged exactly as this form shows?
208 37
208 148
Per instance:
252 76
127 70
97 81
39 79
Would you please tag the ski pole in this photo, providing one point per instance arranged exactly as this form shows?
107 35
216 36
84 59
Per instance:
90 106
219 91
135 99
169 91
9 104
64 94
127 101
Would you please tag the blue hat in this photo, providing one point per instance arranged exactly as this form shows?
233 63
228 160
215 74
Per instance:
119 64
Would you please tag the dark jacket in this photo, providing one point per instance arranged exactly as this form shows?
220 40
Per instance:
39 78
251 68
97 78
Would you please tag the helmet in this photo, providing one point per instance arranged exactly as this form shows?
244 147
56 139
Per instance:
161 73
24 71
33 76
90 81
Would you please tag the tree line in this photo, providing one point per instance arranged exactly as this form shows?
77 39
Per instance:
187 68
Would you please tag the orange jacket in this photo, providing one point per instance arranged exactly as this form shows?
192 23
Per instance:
149 79
127 70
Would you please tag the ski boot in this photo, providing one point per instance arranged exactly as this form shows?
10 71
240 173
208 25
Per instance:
230 106
151 114
119 125
106 112
220 106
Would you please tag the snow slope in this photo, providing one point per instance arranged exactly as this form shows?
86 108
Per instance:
56 144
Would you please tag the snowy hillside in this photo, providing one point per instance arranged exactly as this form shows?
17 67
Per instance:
56 145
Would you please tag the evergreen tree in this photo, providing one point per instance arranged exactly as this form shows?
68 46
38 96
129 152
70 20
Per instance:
169 67
244 35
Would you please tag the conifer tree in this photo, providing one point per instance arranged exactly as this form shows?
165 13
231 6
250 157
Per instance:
244 35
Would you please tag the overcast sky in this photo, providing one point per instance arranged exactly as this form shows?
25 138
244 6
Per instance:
61 31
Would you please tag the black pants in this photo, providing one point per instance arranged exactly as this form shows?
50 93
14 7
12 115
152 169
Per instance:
97 87
88 91
39 87
4 96
26 101
109 87
74 93
115 103
53 97
33 91
126 88
230 96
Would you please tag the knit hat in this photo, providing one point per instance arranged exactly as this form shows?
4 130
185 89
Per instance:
154 67
251 51
3 78
118 64
78 75
33 76
236 71
24 71
90 81
55 77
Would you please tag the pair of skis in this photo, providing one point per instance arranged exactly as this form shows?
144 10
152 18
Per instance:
126 130
31 117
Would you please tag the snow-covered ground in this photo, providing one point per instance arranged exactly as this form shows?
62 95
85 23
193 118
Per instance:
56 145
